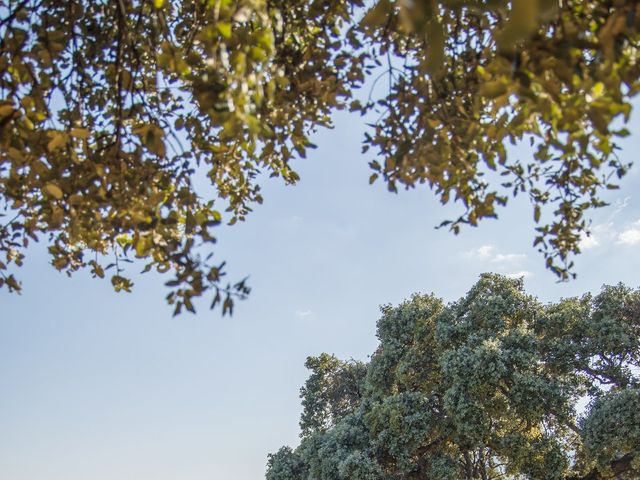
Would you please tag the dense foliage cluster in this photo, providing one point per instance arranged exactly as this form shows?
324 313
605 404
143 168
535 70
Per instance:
493 386
112 112
110 108
472 77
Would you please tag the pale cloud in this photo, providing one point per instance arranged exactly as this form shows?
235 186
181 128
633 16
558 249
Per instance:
509 257
303 313
588 242
630 235
621 204
488 253
522 274
605 233
484 252
599 234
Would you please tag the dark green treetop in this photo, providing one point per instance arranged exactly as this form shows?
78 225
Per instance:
492 386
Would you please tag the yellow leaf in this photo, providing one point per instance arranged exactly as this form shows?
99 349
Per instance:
58 139
75 199
598 90
53 190
224 28
158 3
15 154
80 133
57 216
142 246
141 130
493 89
27 102
6 110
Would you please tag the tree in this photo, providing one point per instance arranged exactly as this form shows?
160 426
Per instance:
484 388
110 111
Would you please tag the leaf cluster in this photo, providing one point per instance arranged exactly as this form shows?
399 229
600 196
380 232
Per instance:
110 112
468 78
113 113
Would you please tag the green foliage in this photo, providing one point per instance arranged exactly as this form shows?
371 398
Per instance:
612 430
285 464
332 391
483 388
108 111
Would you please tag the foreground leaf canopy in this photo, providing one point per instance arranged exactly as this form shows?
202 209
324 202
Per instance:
493 386
112 112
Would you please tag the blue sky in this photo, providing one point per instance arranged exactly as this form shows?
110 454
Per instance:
98 385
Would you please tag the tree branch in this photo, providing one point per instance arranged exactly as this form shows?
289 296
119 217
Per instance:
619 466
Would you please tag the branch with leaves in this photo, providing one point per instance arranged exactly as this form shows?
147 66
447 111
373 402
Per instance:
109 112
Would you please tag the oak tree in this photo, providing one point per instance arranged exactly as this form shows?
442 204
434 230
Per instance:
493 386
112 113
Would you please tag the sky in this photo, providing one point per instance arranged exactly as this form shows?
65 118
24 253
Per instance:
98 385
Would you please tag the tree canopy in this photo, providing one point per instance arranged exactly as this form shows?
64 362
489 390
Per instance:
494 386
111 111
